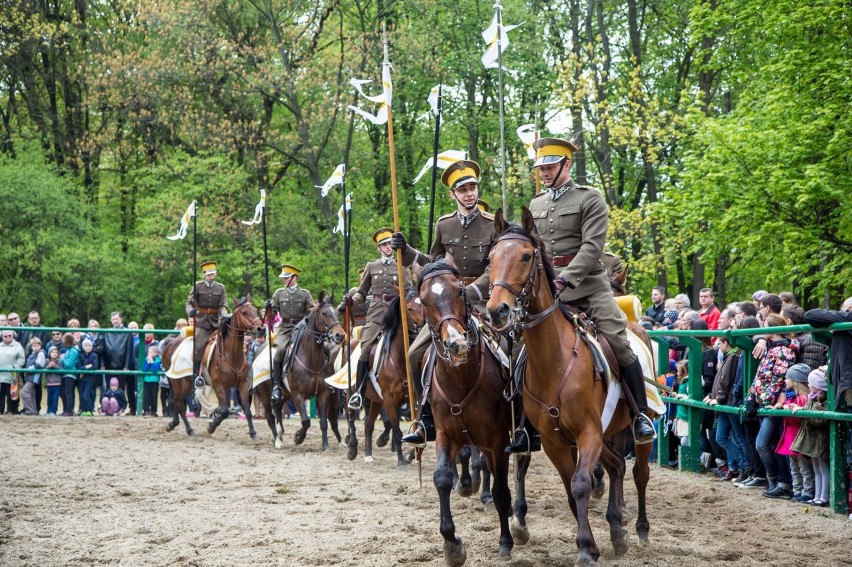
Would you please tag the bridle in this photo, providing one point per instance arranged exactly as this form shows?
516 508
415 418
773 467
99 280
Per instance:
238 319
521 318
471 332
322 337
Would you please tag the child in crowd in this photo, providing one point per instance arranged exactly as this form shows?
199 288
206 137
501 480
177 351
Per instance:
53 381
32 380
70 359
87 382
670 314
114 401
682 419
151 379
812 440
800 465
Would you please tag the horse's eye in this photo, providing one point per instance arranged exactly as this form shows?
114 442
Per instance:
526 257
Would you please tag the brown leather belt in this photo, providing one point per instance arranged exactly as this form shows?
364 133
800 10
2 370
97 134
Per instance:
291 321
383 296
562 261
469 279
208 311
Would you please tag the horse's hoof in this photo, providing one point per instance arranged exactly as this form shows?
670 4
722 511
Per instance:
383 439
455 554
464 491
476 485
253 436
505 553
368 459
341 445
346 439
299 437
585 560
520 532
643 537
325 447
598 490
488 507
352 453
401 464
211 429
278 444
621 543
191 432
170 427
410 456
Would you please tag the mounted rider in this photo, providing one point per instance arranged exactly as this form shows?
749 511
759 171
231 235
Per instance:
379 287
207 303
467 234
572 221
293 304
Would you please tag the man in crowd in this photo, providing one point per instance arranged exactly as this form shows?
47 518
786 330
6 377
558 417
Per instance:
709 312
657 311
118 355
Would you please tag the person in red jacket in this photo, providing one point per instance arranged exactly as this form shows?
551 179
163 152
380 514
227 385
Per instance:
709 312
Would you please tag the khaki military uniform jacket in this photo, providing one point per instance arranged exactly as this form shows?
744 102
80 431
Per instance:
358 312
376 290
575 225
468 245
293 305
212 304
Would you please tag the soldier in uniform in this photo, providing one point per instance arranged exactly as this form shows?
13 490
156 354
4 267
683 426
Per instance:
207 302
377 289
467 234
572 220
293 304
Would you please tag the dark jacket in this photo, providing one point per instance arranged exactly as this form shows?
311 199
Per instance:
117 395
657 313
118 353
91 360
841 347
725 378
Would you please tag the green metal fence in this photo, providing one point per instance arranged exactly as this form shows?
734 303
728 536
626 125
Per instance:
689 455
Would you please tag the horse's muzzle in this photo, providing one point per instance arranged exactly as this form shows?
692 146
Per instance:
337 338
500 316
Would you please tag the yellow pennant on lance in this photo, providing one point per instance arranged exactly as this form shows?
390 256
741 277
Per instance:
445 159
494 32
258 210
184 223
335 179
384 99
341 215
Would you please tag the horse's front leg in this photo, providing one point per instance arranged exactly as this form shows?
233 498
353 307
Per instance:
333 415
391 410
613 462
464 486
221 412
322 413
475 468
485 496
589 446
369 426
301 405
641 476
455 553
498 462
519 519
244 391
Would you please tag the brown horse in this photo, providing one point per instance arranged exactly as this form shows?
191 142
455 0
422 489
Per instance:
468 407
309 363
392 378
227 367
562 395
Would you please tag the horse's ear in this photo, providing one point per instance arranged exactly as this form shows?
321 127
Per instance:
527 220
248 298
416 270
321 296
449 260
499 222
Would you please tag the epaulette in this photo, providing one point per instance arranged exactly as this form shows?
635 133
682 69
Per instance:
540 193
488 216
447 216
586 187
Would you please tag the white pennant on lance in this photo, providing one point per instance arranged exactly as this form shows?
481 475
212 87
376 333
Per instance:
384 99
433 100
527 133
341 213
184 222
335 179
495 48
445 160
258 210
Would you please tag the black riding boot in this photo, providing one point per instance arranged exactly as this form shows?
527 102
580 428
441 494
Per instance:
643 427
355 400
277 370
425 430
527 440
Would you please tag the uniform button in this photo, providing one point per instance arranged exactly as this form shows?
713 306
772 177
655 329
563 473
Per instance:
464 247
552 241
551 230
464 257
465 236
552 208
551 220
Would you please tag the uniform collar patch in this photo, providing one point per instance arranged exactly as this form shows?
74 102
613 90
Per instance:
465 220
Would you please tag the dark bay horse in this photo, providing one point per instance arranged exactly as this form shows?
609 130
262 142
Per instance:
308 363
227 368
561 393
392 378
468 407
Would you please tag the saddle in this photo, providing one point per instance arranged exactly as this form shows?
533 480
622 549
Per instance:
290 354
597 343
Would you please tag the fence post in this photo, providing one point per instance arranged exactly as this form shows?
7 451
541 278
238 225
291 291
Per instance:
690 456
662 435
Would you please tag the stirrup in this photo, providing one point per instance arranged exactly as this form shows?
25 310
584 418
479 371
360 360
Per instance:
199 381
416 438
636 422
355 402
277 393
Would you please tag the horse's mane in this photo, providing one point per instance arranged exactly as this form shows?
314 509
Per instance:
393 316
515 228
435 266
617 288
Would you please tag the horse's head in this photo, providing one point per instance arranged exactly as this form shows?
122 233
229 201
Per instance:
516 259
325 322
446 310
414 309
246 317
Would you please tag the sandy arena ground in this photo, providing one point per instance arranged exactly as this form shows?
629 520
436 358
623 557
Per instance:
121 491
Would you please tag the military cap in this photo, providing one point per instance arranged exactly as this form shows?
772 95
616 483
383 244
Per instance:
461 172
552 150
288 270
208 268
382 235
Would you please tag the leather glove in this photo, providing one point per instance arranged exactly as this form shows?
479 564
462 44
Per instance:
193 312
268 304
347 300
398 242
560 284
